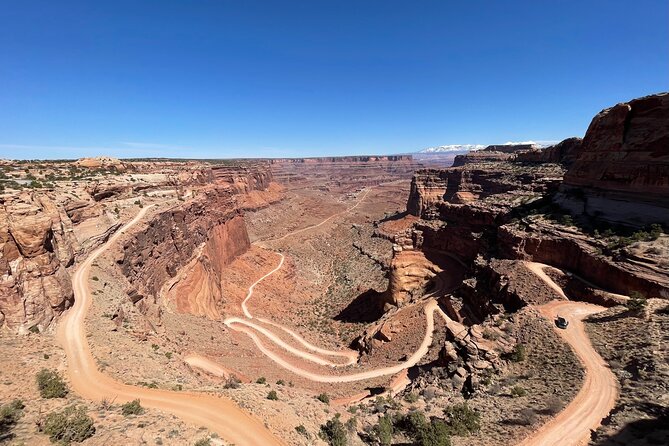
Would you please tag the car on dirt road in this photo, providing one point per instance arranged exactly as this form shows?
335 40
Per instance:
561 322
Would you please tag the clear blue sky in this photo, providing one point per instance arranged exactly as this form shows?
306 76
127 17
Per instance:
246 78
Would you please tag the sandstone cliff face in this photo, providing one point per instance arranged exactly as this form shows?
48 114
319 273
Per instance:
436 192
575 254
565 152
622 172
210 224
199 292
480 157
182 252
484 211
36 247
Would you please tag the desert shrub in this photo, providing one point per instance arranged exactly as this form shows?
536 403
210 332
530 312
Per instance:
10 414
435 433
68 425
517 391
51 384
527 417
232 382
384 430
132 408
280 382
302 431
261 380
462 420
490 334
333 432
411 397
203 442
554 405
655 231
518 354
272 395
566 220
323 398
636 302
412 423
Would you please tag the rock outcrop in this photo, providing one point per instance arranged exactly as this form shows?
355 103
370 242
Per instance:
102 162
481 156
621 174
565 152
36 247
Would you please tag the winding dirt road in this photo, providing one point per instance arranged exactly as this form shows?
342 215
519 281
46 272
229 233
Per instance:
218 414
600 388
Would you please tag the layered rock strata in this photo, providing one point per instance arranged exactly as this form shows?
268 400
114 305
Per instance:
621 174
36 247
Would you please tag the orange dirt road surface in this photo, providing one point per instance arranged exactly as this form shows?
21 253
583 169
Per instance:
598 395
218 414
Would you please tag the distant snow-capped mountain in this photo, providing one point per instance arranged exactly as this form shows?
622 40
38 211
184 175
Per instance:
453 148
462 148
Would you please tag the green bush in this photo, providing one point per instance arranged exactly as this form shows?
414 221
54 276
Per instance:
323 398
412 423
261 380
132 408
68 425
518 391
302 431
411 397
462 420
51 384
333 432
636 302
203 442
272 395
435 434
518 354
384 431
10 414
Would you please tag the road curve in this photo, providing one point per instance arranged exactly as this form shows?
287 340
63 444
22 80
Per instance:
429 310
598 394
218 414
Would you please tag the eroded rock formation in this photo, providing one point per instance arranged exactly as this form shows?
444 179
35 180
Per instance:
621 174
36 247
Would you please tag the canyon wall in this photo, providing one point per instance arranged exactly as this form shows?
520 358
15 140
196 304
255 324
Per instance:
621 174
347 173
182 252
509 209
44 230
